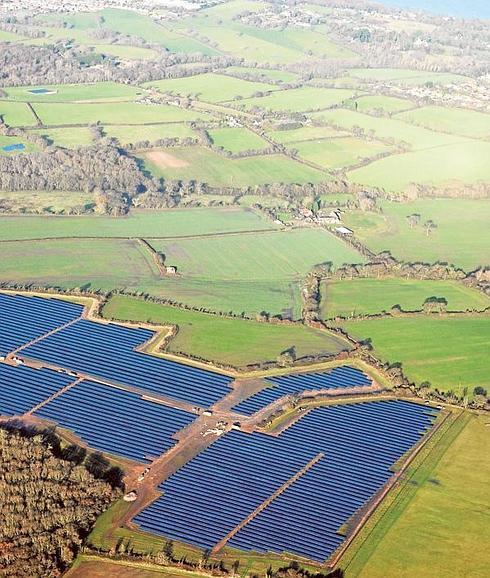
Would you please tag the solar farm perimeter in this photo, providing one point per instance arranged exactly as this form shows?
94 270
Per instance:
220 478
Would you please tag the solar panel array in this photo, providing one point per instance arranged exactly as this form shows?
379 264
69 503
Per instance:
107 351
338 378
116 421
22 388
218 489
23 319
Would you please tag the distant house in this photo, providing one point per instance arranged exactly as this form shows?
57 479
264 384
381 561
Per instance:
331 218
344 231
170 270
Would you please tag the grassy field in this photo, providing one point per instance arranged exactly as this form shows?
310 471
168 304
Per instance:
114 113
368 296
97 91
249 273
339 152
300 99
44 202
9 36
469 123
304 133
164 223
16 114
96 567
234 341
439 527
210 87
237 139
126 52
406 76
388 104
6 141
461 163
98 264
131 134
204 165
67 137
462 235
449 352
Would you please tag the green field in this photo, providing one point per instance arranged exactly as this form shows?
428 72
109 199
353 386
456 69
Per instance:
440 526
368 296
6 141
140 223
469 123
339 152
236 139
204 165
449 352
457 164
387 104
69 263
114 113
126 134
9 36
125 52
462 235
16 114
300 99
304 133
234 341
249 272
67 137
134 24
406 76
97 91
210 87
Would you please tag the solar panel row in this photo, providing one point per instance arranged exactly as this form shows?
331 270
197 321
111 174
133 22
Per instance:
284 385
214 492
23 319
107 351
22 388
116 421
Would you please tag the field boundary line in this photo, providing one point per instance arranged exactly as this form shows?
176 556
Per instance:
288 483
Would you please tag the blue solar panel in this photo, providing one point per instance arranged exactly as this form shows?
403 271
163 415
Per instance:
219 488
107 351
22 388
23 319
116 421
284 385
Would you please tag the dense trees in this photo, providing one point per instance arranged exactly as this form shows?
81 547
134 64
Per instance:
48 504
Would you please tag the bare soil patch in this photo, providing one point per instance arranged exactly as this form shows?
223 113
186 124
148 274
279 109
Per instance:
165 160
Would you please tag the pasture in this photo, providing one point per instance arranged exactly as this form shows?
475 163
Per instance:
300 99
125 52
305 133
262 74
204 165
97 91
16 114
462 236
139 223
226 340
405 76
456 164
450 352
9 36
126 134
236 139
387 104
70 263
369 296
66 137
121 113
249 273
470 123
339 152
210 87
43 202
11 145
439 526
